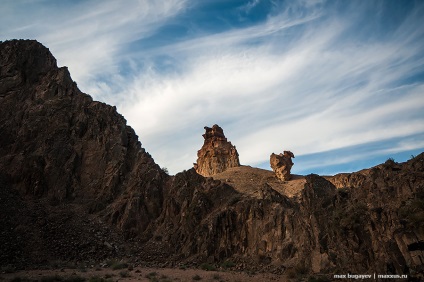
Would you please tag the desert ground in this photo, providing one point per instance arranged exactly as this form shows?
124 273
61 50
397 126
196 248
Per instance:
136 274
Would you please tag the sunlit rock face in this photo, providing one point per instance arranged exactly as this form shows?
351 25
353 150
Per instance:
217 154
281 164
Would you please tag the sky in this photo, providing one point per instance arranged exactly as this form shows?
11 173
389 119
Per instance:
338 83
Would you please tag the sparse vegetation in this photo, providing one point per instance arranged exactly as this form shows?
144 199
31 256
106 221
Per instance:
115 265
152 276
228 264
207 267
124 274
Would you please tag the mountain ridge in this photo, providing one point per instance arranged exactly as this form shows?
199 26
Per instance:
77 185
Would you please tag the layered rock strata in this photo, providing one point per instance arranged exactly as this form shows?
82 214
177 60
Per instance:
217 154
281 164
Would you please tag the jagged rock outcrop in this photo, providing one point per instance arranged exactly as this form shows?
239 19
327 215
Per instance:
75 182
217 154
281 164
59 146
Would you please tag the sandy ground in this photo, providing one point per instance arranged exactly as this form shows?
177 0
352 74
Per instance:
138 274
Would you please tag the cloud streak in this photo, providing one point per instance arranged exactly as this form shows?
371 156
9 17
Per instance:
306 78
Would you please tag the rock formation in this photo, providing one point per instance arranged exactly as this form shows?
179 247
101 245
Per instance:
76 186
217 154
281 164
58 146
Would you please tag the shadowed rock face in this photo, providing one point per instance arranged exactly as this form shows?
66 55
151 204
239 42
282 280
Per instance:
58 145
281 164
75 182
217 154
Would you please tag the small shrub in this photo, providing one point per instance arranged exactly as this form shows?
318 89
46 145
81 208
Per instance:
228 264
207 267
124 274
197 277
118 265
151 274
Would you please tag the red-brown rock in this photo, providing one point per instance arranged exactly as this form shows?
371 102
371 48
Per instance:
217 154
281 164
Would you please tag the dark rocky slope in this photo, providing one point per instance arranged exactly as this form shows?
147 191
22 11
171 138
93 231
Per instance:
76 181
59 147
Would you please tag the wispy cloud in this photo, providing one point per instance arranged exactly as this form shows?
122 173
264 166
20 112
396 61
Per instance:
88 36
311 77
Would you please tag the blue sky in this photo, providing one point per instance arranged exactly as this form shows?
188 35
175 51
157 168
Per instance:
339 83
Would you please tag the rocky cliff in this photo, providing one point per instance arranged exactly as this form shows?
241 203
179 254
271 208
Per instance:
217 154
59 146
76 185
